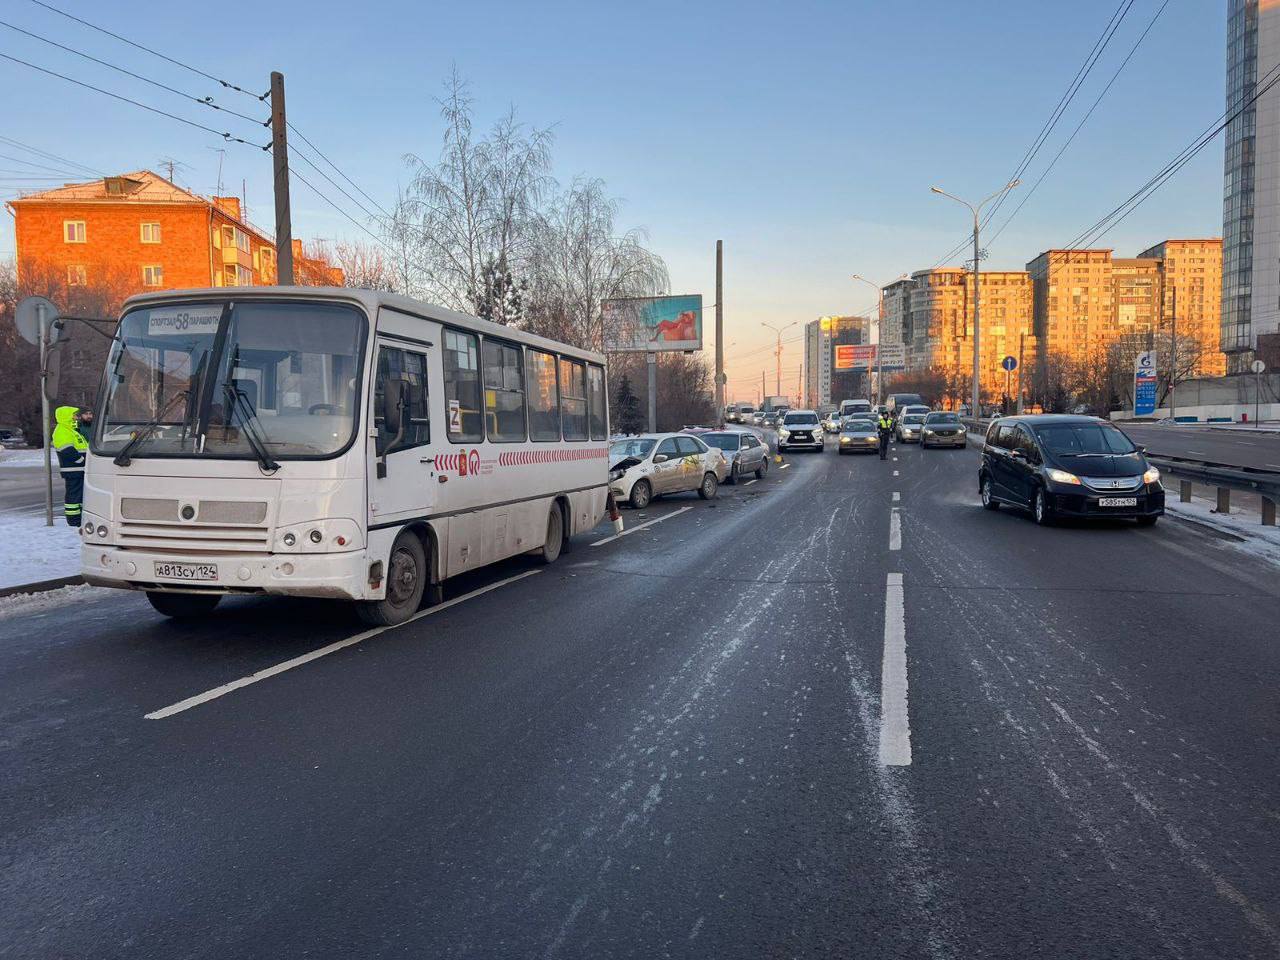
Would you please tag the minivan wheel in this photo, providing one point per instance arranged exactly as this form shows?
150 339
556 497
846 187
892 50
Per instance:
1040 509
641 494
988 499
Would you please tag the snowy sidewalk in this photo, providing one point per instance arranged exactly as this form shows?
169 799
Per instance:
31 552
1244 523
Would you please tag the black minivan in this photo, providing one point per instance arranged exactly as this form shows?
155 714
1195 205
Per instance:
1068 466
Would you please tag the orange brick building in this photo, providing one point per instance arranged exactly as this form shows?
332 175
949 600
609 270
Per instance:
146 232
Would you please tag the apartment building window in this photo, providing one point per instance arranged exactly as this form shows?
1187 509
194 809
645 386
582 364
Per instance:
153 275
235 275
76 275
235 237
151 233
73 231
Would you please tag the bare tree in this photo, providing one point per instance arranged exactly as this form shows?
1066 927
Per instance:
365 265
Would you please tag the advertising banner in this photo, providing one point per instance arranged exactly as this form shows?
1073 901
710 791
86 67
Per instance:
653 324
1144 384
845 357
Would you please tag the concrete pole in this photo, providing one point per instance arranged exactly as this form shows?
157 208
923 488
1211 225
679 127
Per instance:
44 321
652 364
977 337
720 378
1173 359
1021 343
280 166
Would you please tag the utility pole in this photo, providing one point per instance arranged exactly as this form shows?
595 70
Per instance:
777 353
976 210
651 359
720 378
1173 359
762 393
280 165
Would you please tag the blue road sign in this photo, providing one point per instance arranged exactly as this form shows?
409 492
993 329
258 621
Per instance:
1009 363
1144 384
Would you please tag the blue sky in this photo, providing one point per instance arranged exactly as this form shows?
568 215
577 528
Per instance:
804 134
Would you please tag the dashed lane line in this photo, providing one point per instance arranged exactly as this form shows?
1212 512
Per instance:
895 724
895 529
896 496
640 526
306 658
895 473
785 466
750 482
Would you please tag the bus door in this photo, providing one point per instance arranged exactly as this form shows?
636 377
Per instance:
402 475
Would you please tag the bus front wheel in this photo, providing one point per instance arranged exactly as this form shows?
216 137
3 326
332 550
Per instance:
407 575
182 606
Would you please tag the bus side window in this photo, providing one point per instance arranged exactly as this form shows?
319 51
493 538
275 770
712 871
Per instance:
544 396
598 407
397 364
573 399
462 386
503 392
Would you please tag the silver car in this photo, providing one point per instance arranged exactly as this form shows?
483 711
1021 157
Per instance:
641 468
859 435
744 451
909 427
943 430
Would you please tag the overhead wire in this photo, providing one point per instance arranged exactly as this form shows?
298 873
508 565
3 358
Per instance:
49 156
202 101
137 103
156 53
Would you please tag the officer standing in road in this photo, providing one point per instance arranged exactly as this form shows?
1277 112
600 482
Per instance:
70 445
885 427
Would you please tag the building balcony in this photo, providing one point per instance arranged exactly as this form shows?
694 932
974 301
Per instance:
234 255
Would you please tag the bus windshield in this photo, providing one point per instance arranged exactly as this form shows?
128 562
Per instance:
288 371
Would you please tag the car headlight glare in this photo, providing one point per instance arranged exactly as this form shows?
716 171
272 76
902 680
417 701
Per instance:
1061 476
1151 476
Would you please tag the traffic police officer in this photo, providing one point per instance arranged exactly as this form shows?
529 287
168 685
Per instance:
70 445
884 425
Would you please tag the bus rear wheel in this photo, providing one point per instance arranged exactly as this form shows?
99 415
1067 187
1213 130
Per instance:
407 576
182 606
550 551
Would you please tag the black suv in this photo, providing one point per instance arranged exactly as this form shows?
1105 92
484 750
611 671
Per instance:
1066 466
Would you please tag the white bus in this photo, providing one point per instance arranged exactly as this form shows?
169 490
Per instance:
329 442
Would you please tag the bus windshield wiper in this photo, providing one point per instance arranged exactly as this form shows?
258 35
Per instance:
146 430
239 403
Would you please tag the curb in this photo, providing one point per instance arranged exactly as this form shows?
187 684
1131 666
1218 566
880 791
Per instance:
41 586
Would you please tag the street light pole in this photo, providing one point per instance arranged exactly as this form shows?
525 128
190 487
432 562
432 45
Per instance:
778 351
879 329
976 210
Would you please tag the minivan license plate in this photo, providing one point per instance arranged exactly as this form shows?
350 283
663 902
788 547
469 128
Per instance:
186 571
1117 501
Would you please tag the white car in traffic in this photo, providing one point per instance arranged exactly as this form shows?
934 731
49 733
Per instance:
652 465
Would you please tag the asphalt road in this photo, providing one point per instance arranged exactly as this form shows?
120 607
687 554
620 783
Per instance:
1237 447
687 742
22 488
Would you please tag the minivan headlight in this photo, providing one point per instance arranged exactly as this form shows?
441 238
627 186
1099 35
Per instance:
1151 476
1061 476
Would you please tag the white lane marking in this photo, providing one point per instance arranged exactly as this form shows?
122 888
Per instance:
895 529
1198 453
750 482
895 459
279 668
895 473
895 725
784 466
896 496
641 526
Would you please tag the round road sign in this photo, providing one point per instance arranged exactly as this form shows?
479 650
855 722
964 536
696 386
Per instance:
1258 366
27 319
1009 363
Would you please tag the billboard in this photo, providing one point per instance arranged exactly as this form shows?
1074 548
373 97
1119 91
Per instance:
855 356
1144 384
652 324
846 357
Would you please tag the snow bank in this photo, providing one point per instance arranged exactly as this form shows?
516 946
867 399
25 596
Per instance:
1259 541
22 458
30 551
24 604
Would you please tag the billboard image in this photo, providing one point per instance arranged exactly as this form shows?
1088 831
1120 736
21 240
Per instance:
846 356
652 324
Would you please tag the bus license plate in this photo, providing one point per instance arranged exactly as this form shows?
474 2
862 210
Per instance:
186 571
1117 501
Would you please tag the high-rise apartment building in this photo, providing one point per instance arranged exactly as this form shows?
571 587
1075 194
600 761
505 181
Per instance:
937 317
1190 280
1073 302
823 383
1251 182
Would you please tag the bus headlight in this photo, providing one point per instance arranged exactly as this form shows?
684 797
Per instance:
317 536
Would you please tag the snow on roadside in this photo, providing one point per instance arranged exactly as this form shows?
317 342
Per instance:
30 551
21 458
25 604
1258 540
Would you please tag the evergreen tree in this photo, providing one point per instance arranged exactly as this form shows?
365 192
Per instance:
626 416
